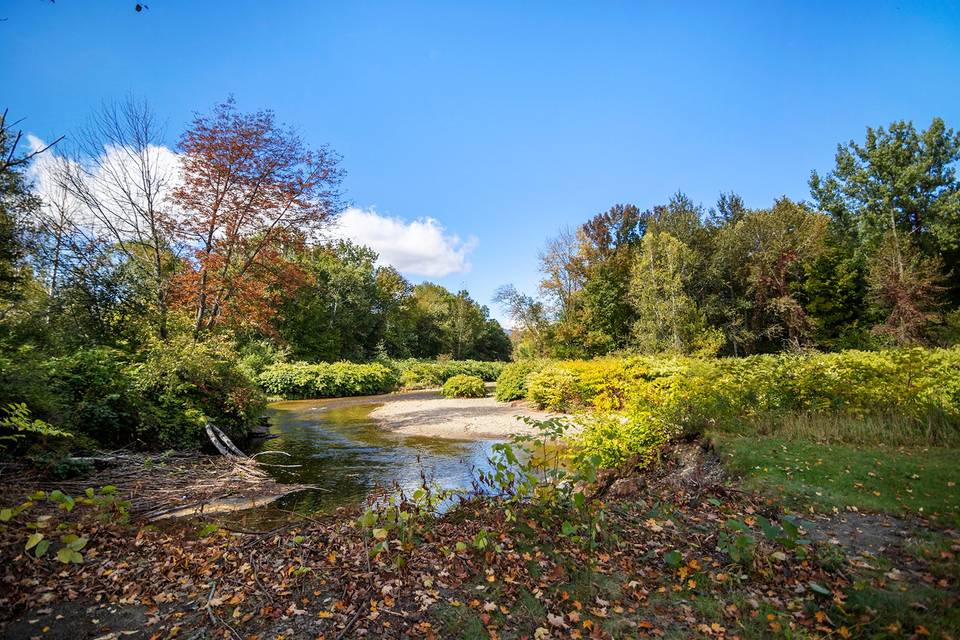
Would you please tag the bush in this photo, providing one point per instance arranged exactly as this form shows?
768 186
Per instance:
615 438
182 384
97 395
900 396
553 388
420 374
324 380
159 398
461 386
512 381
25 378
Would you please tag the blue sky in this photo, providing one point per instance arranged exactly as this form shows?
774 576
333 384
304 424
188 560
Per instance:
504 121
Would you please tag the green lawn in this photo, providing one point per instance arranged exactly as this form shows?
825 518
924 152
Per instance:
922 481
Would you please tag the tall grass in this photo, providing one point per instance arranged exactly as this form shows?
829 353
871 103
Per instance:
836 428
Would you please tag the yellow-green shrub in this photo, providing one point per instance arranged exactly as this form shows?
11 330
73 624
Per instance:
553 388
461 386
615 437
638 401
512 381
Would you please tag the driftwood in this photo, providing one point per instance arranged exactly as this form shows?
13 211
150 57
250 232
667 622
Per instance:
170 486
223 444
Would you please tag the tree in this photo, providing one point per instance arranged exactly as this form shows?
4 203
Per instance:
906 285
529 316
562 268
834 292
16 206
110 195
767 250
335 314
394 295
463 323
250 188
667 318
729 210
607 241
492 343
899 182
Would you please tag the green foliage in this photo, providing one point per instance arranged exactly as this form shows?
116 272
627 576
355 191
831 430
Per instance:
257 355
104 505
555 493
877 263
668 319
160 396
17 424
747 547
402 519
512 381
462 386
351 309
323 380
898 179
97 394
16 201
553 388
341 379
640 403
182 384
335 316
421 374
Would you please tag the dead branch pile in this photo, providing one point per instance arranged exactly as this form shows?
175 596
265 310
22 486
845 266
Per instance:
167 486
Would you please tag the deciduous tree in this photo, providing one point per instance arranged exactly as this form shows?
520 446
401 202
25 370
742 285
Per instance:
250 186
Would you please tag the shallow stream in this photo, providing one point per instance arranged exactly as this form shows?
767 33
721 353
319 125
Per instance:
344 453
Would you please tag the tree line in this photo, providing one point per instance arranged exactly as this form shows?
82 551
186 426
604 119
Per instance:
119 241
143 289
871 260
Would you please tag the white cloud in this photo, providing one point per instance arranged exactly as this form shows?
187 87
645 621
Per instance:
119 180
420 247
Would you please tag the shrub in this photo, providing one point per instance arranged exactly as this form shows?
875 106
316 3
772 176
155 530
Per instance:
25 378
615 438
553 388
512 381
462 386
324 380
419 374
16 423
899 396
159 398
182 384
97 395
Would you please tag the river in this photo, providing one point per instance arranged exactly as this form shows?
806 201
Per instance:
346 455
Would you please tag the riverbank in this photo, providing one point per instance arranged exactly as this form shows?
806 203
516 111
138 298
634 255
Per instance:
147 488
683 552
431 415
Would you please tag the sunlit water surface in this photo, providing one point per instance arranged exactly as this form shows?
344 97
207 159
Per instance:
346 455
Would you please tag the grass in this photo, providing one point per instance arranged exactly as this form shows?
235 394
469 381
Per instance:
897 481
936 430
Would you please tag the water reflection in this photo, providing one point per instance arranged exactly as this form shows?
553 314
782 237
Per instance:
345 454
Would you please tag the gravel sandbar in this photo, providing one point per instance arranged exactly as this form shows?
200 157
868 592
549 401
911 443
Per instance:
455 418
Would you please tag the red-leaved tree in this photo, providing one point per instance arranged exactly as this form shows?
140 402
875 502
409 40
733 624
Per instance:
250 189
